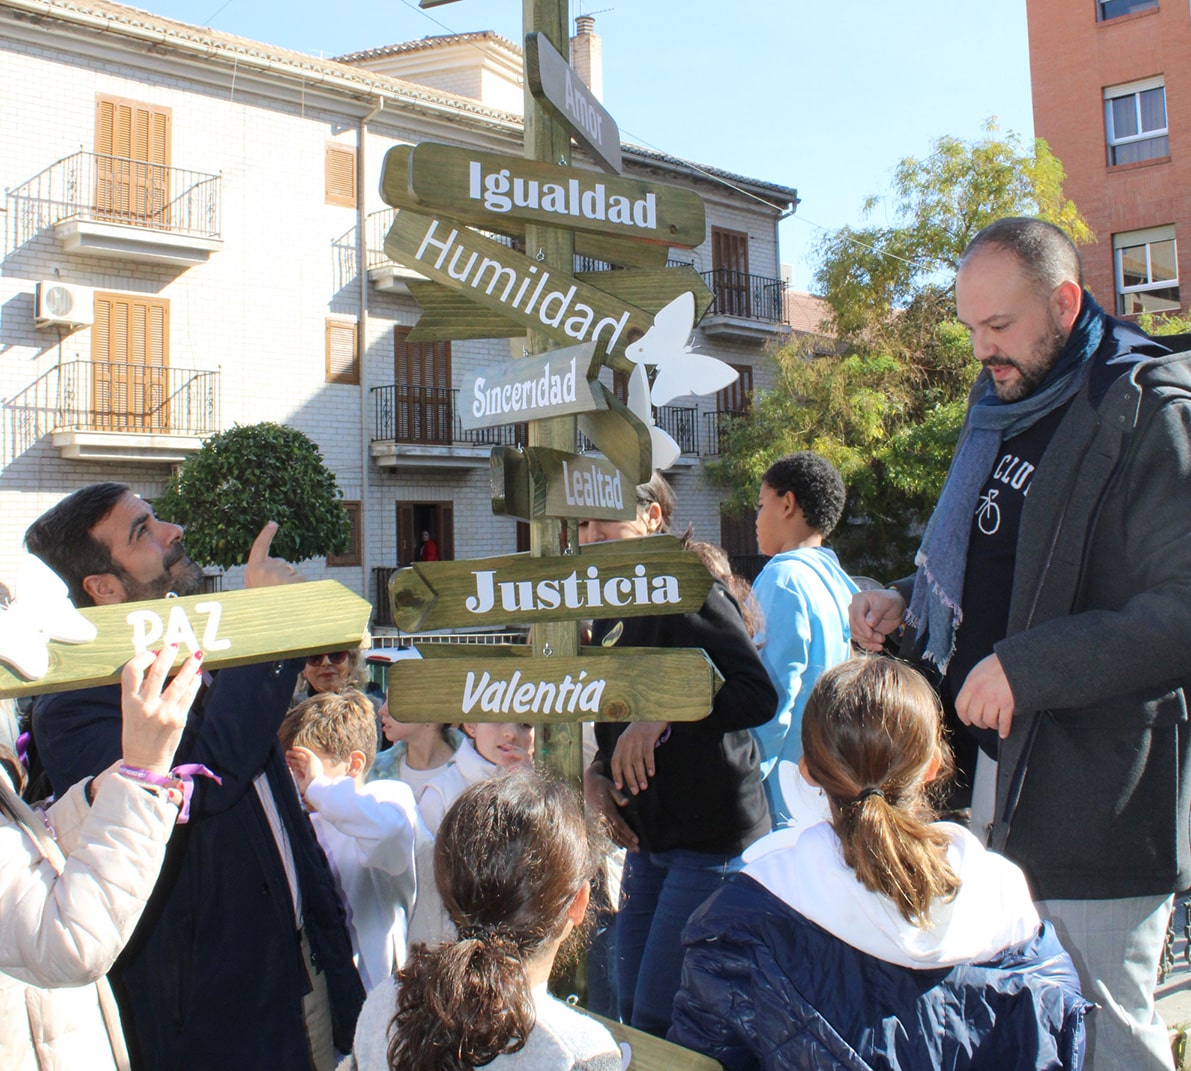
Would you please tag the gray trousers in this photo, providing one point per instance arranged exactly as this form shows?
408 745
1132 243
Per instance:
1115 945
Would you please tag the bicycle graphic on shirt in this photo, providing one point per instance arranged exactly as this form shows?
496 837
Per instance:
988 513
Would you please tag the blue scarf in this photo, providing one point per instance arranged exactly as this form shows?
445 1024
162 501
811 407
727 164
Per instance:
935 609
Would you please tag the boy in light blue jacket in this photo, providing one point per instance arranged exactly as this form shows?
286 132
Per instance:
803 595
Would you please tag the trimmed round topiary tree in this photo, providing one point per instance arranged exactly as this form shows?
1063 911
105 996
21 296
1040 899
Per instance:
245 477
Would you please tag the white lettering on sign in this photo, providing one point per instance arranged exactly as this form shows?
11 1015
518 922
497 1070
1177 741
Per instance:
148 628
588 486
585 114
502 191
513 695
594 592
551 306
537 393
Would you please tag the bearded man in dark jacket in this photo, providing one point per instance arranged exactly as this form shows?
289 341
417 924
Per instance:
1053 595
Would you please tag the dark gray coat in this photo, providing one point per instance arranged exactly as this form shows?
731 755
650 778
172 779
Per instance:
1093 785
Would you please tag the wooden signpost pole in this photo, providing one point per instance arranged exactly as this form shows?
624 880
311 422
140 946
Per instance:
560 744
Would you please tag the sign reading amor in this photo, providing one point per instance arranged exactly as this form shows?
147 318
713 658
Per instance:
488 189
557 87
528 388
523 289
629 578
232 628
593 686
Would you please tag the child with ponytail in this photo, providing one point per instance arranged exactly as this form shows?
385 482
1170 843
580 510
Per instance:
513 864
876 936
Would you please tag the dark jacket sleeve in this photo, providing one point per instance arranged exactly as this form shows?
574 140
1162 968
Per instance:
231 732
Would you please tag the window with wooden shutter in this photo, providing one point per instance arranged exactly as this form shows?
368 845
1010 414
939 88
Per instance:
730 268
130 363
341 175
737 397
132 162
354 553
343 364
425 401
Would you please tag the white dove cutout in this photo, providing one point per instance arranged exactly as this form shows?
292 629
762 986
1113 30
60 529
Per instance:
665 450
680 370
40 611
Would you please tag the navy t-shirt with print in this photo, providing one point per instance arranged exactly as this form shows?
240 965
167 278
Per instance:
992 552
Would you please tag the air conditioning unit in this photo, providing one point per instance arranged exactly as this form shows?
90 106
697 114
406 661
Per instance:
63 304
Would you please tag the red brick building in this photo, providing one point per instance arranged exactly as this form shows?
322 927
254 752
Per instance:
1112 97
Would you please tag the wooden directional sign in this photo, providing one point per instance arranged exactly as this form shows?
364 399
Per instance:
232 628
448 313
561 91
532 388
597 685
540 482
621 436
629 578
488 189
552 302
395 191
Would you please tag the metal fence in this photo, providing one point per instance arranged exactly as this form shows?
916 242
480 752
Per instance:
117 189
751 297
429 416
717 426
681 424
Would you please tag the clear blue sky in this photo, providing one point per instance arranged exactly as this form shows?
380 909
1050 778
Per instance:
824 97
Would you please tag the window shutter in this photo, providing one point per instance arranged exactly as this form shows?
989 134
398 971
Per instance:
342 363
132 141
130 363
341 175
353 555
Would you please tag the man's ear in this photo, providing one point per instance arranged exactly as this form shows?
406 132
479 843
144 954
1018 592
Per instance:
105 589
1066 301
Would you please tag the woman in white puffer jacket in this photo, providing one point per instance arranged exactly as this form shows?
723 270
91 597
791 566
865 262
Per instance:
74 880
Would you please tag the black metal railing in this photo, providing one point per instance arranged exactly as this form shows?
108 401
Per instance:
429 416
747 565
681 424
751 297
717 426
117 189
113 396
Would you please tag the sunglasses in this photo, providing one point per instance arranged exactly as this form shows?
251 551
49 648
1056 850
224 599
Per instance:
336 658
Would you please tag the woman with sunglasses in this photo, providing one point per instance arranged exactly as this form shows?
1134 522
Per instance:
333 672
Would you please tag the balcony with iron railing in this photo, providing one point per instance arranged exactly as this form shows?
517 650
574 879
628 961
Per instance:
114 206
682 425
717 426
744 305
110 410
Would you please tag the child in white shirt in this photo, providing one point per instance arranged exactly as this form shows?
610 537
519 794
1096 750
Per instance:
420 751
371 832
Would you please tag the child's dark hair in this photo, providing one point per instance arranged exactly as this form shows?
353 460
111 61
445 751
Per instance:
817 486
335 723
871 730
512 854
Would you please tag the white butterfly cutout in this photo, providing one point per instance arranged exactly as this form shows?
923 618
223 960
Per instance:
680 371
40 611
665 450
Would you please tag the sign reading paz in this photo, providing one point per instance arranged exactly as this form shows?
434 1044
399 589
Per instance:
554 384
629 578
232 629
590 687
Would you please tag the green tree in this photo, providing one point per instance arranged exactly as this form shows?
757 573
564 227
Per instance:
245 477
886 407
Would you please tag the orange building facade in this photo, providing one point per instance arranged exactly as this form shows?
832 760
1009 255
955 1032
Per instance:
1112 97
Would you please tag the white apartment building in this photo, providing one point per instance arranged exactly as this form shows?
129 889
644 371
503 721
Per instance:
194 239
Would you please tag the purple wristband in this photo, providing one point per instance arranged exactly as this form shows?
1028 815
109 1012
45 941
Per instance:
179 780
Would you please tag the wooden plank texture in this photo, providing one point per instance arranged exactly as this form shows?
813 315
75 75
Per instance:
540 482
553 384
621 436
232 628
648 1053
629 684
627 578
544 299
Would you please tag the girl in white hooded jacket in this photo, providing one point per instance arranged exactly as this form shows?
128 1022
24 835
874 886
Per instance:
75 878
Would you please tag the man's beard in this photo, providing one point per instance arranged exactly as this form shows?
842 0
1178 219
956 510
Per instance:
181 577
1043 355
